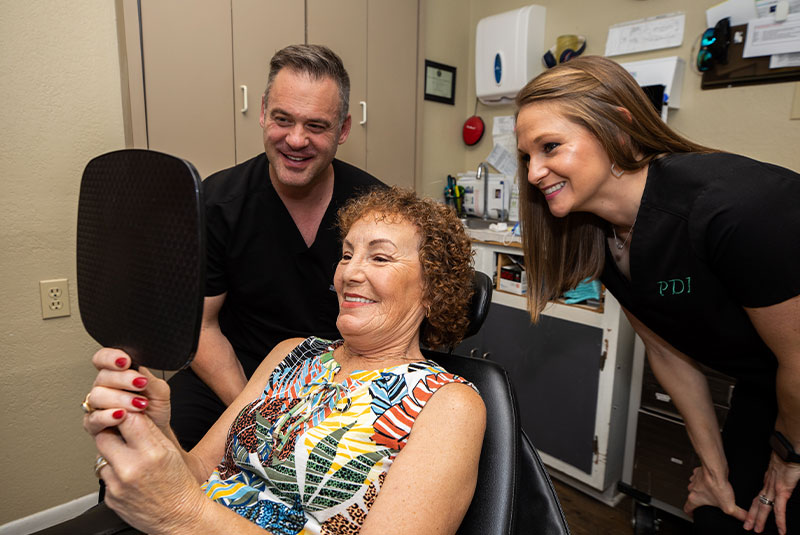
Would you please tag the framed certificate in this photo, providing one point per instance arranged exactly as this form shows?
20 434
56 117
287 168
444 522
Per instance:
440 82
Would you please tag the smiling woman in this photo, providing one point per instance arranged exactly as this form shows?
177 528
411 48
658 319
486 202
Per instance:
712 274
444 252
328 436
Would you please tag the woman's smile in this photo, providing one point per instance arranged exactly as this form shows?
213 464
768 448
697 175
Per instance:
553 190
353 300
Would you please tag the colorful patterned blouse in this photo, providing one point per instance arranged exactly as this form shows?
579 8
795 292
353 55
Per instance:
310 455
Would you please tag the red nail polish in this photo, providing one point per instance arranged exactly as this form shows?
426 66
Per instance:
139 403
118 414
140 382
121 362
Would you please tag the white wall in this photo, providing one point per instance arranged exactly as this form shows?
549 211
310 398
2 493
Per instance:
60 84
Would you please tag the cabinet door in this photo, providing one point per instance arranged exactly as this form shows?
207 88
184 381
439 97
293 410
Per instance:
392 90
260 28
554 366
377 41
186 49
342 26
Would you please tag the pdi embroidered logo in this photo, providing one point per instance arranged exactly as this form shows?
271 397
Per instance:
675 286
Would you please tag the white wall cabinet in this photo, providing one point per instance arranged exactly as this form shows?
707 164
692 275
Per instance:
571 373
201 67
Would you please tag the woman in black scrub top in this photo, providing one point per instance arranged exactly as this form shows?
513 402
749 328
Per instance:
702 250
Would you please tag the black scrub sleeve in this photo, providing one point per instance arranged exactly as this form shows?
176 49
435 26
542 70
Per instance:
747 225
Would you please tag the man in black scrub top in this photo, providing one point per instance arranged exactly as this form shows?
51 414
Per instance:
272 247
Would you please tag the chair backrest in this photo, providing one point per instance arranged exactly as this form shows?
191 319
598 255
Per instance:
492 509
514 494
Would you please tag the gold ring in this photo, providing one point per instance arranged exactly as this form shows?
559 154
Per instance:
85 405
98 465
766 501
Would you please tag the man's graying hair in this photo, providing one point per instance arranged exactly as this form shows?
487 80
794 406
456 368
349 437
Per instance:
317 61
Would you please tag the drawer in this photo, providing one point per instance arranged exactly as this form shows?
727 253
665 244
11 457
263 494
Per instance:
655 398
664 459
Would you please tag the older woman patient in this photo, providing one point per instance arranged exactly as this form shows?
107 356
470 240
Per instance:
308 445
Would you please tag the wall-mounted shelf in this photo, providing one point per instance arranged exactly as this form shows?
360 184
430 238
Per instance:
745 71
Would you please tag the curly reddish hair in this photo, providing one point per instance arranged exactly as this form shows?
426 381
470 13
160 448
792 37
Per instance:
445 254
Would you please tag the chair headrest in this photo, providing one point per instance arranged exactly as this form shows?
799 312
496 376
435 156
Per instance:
479 305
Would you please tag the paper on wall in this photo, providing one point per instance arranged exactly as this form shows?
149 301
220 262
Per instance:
663 31
504 151
503 125
766 37
765 8
779 61
503 159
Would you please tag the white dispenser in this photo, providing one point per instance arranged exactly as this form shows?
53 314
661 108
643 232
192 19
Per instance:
664 71
508 53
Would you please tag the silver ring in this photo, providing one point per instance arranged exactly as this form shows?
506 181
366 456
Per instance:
766 501
98 465
85 405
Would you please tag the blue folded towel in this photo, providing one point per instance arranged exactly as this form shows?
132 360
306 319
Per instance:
584 291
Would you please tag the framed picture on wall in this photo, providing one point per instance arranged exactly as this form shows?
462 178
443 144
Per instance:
440 82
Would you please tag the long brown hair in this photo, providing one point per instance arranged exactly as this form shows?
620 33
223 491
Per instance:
589 91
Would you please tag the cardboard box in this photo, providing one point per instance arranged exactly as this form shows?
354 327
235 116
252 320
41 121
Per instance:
511 276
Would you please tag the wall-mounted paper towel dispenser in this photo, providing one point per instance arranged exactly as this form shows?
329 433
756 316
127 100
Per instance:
508 53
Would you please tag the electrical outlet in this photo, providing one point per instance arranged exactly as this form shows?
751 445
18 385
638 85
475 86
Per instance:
54 294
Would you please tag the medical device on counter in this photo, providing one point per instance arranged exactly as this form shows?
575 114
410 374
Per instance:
499 194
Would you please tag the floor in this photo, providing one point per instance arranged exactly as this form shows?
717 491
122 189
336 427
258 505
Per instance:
587 516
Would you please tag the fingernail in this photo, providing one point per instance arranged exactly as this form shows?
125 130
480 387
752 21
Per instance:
121 362
140 382
118 414
139 403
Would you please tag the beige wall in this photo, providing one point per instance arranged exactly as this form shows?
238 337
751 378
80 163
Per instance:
753 121
61 89
61 107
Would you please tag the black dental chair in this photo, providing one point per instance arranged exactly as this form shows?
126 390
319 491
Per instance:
514 494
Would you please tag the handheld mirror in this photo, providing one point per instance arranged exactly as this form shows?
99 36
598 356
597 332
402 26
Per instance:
141 256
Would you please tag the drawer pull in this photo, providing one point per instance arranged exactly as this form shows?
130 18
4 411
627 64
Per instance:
676 460
663 397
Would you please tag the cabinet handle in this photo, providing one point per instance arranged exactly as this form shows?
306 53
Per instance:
486 355
244 98
363 105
